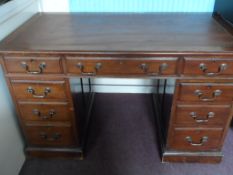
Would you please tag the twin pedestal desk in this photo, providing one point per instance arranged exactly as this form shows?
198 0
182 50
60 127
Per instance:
194 50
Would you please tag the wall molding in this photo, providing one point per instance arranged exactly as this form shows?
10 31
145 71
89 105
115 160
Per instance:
13 8
15 13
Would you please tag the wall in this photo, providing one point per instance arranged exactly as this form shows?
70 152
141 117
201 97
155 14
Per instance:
141 5
127 5
12 14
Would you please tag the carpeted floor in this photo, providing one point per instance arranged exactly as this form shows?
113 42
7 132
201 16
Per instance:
122 141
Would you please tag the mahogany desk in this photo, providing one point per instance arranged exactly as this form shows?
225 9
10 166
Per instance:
193 49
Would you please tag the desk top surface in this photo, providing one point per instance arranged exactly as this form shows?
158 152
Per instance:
153 32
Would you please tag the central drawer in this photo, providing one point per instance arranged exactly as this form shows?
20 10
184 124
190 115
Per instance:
118 66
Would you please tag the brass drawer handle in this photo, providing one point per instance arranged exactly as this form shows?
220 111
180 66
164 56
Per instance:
30 90
41 67
145 68
203 97
198 120
204 69
81 67
50 115
54 137
203 140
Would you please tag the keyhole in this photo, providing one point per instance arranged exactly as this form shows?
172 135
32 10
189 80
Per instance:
209 86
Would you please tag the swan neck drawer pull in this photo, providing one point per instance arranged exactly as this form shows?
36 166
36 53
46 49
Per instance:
54 137
203 140
199 120
204 68
82 67
41 67
50 115
145 68
30 90
203 97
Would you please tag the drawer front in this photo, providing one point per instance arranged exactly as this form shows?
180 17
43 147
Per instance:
33 65
196 139
49 135
45 112
208 67
39 90
204 115
206 92
91 67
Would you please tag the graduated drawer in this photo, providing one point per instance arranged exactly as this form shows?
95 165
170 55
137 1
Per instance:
49 135
202 115
193 139
114 66
58 111
208 66
33 65
205 92
39 90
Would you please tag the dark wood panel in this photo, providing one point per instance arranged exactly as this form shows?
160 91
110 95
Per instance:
224 8
168 32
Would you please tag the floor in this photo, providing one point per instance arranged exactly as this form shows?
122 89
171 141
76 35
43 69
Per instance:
122 141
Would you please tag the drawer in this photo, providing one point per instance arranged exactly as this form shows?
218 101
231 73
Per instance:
205 92
202 115
46 135
39 89
208 66
92 67
33 65
44 111
192 139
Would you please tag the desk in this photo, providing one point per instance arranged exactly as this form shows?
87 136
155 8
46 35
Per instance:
192 49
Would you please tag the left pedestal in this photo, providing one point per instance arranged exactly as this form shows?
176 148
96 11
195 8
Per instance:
45 107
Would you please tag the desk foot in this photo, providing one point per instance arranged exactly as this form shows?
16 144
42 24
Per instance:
69 153
191 157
